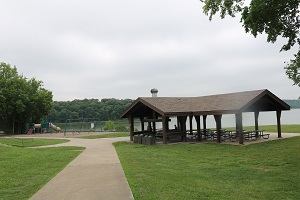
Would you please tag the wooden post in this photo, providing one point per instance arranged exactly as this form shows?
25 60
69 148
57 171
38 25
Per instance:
197 118
191 124
204 126
183 125
204 121
154 124
236 123
131 122
239 124
218 126
164 126
178 123
278 116
142 124
256 114
167 123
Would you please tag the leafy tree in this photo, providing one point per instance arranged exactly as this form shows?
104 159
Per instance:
273 17
22 100
109 126
292 70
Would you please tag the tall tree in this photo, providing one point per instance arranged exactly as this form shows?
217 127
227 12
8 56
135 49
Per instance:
273 17
22 100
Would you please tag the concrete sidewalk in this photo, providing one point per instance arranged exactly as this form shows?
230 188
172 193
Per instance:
95 174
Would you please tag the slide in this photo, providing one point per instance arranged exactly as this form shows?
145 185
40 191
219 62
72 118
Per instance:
37 125
56 128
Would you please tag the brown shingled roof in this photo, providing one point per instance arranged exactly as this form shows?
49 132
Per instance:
257 100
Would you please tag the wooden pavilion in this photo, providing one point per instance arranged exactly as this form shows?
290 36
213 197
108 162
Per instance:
154 110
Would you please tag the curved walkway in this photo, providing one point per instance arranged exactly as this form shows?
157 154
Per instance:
95 174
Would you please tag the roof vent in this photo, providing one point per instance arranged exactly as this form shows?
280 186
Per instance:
154 92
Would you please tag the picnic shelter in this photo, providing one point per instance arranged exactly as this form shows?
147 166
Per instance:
152 110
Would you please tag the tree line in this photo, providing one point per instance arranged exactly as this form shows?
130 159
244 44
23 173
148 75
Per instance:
104 110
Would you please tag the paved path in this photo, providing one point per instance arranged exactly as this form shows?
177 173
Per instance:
95 174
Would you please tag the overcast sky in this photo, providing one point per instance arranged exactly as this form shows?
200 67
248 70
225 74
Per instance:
121 49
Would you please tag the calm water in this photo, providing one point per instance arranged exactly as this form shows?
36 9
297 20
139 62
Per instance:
265 118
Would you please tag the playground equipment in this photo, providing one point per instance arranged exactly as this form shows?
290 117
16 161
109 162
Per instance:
43 127
56 128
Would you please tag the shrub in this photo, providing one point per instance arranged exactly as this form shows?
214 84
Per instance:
109 126
121 127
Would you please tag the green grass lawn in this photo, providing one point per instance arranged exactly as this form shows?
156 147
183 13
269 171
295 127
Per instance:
269 170
108 135
30 142
25 170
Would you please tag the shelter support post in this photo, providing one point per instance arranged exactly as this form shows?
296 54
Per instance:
149 127
154 124
131 122
182 124
239 126
142 124
164 127
204 121
191 124
178 123
197 118
204 125
167 123
256 114
218 119
278 116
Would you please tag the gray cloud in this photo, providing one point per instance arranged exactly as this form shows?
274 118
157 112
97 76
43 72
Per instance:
122 49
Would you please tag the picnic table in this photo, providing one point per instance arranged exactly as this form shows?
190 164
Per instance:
232 135
255 134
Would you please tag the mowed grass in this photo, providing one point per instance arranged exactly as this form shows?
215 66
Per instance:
30 142
108 135
269 170
25 170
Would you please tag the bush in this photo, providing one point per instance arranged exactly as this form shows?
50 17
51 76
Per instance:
109 126
121 127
